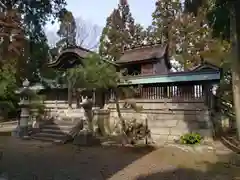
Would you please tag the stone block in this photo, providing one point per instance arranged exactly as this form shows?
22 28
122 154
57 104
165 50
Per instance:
204 125
182 125
190 125
178 131
160 131
163 123
203 116
205 132
159 139
173 139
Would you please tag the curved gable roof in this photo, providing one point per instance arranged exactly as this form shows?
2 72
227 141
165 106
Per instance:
69 55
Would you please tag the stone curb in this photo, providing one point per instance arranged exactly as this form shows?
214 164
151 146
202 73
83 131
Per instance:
8 123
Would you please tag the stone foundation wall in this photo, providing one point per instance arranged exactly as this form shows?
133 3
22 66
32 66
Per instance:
168 119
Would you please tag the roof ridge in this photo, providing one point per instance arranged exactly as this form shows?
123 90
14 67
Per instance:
144 46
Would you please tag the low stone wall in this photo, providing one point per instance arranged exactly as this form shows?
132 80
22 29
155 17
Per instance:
168 119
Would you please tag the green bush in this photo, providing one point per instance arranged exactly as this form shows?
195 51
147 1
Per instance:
191 138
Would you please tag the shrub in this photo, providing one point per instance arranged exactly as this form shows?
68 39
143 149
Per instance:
191 138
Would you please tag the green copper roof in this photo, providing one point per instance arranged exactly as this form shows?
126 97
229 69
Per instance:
175 77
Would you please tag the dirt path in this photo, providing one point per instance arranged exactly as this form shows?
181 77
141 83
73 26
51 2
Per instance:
31 160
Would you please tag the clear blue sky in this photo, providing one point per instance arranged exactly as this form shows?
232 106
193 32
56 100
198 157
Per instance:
96 11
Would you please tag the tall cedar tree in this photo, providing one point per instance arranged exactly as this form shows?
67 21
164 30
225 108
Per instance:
235 58
188 34
67 33
224 17
140 36
118 33
67 29
34 15
13 39
228 11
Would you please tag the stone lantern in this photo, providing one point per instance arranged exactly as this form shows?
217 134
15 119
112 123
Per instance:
25 98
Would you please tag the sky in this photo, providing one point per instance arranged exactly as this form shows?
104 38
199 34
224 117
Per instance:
96 12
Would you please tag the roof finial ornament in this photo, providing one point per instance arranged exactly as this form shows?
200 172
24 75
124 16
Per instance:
123 2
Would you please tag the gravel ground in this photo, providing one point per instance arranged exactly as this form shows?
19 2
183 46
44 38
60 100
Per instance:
33 160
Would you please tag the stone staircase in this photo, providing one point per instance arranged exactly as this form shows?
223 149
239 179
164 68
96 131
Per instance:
55 131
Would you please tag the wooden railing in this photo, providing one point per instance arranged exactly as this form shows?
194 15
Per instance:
193 91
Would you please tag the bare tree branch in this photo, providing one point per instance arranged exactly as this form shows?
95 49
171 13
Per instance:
87 34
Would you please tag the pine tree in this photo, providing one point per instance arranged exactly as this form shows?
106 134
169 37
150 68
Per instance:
118 33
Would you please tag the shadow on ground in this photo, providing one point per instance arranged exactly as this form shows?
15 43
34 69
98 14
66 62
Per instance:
226 168
33 160
30 160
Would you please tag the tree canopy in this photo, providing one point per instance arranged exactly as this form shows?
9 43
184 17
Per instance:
118 32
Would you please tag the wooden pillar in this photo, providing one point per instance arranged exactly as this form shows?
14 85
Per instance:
165 92
186 91
206 88
69 94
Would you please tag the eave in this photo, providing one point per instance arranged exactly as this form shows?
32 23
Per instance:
213 76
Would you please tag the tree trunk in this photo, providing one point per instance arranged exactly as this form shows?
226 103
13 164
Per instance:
235 57
78 99
123 124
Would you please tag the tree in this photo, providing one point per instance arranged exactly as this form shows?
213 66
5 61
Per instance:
87 34
67 30
31 17
23 44
187 34
93 74
117 35
224 17
139 36
8 99
98 74
235 58
227 10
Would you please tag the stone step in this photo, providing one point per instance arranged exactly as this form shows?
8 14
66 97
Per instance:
56 126
46 139
55 131
49 137
66 122
52 135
